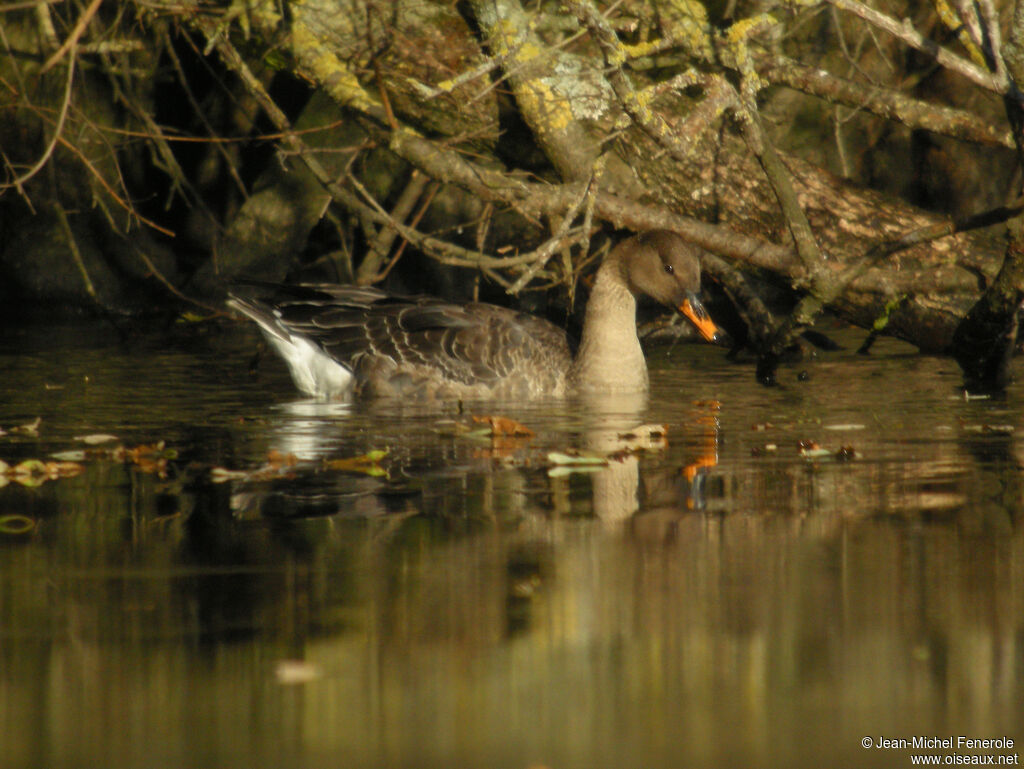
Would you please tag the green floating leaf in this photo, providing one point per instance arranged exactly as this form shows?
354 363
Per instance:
15 525
192 317
816 453
561 458
366 463
30 467
562 470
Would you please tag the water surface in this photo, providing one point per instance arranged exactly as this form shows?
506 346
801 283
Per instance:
728 599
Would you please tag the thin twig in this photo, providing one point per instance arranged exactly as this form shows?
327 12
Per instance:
61 117
424 205
546 251
198 110
7 7
913 38
381 244
170 286
71 240
76 33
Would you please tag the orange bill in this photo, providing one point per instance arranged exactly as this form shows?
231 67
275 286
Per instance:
694 312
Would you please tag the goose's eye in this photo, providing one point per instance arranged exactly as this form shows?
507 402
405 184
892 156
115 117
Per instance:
670 269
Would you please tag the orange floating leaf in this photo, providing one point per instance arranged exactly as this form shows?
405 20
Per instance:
505 426
276 459
63 469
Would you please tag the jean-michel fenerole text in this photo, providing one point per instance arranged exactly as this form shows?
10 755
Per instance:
922 742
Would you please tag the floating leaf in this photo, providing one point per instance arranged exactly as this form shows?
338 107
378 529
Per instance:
30 428
505 426
292 672
815 453
16 525
34 472
95 439
574 462
714 405
277 460
563 458
29 467
73 455
222 474
563 470
151 458
192 317
63 469
366 464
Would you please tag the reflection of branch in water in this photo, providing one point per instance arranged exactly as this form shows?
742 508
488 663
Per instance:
997 502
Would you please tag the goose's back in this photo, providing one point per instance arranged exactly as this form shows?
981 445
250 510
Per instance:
416 347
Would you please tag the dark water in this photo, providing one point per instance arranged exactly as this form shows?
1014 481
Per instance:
723 601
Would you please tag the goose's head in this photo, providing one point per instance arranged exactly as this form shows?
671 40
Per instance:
666 268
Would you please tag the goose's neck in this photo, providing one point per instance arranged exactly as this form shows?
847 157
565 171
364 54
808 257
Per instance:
610 357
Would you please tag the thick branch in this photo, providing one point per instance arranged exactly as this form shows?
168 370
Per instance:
886 103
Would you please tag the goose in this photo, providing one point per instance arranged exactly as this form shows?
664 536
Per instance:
341 342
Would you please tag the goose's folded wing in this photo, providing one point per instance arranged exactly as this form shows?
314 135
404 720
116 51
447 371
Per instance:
470 344
359 327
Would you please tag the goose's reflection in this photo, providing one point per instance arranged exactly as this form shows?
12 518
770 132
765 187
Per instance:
613 429
310 429
444 461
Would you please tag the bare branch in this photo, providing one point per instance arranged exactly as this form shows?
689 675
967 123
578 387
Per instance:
57 130
76 33
906 32
892 105
546 251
